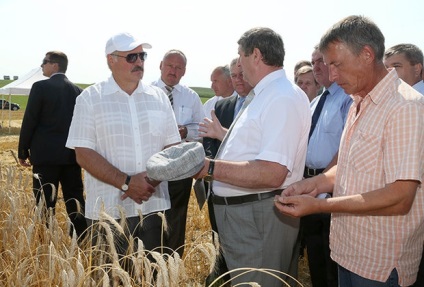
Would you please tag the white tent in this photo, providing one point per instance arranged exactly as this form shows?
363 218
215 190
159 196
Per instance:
23 84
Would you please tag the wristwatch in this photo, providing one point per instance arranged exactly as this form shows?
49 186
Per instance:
209 176
124 187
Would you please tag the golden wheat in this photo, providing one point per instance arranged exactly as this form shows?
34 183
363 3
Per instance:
33 253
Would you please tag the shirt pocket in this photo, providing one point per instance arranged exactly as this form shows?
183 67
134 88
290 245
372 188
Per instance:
365 152
157 120
185 115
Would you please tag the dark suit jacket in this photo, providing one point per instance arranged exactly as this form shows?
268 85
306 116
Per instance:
224 110
46 122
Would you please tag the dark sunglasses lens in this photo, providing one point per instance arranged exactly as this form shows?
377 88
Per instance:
132 58
45 62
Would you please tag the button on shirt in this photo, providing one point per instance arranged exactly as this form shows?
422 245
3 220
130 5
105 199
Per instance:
126 131
376 150
275 125
188 109
325 140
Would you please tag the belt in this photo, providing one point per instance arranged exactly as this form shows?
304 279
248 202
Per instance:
230 200
310 172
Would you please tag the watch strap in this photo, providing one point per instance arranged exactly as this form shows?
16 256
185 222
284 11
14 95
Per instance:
127 180
211 167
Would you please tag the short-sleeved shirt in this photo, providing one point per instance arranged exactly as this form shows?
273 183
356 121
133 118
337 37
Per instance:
126 131
381 144
325 140
188 108
274 127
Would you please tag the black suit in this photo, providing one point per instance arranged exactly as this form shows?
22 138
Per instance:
224 110
42 139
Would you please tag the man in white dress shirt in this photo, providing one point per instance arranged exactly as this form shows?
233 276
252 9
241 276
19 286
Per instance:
189 113
117 125
263 152
221 85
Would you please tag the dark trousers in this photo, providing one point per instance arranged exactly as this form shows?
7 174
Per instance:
315 231
149 231
70 179
179 192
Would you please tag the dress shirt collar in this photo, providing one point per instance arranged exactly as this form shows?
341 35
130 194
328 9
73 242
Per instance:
111 87
161 84
268 79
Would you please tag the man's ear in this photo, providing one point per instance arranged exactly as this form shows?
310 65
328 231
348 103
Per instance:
368 54
418 69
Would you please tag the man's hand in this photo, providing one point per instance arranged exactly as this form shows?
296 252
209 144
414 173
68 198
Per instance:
297 206
183 131
140 189
24 162
307 186
212 128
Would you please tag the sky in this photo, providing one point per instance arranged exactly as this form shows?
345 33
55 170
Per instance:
206 31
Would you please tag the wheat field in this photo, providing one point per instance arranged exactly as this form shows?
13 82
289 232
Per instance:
33 253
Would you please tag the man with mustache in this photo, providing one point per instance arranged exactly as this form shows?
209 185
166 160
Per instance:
118 124
188 110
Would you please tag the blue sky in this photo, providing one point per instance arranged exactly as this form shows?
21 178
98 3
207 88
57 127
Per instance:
206 31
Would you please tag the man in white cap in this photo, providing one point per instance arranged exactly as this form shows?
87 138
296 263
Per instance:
117 125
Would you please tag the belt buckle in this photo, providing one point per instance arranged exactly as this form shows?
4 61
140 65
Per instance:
309 171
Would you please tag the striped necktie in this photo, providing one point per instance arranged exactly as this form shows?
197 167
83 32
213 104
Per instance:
169 93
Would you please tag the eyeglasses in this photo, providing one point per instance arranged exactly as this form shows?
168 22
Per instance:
132 58
46 61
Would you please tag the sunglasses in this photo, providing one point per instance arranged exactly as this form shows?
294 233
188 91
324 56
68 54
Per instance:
131 58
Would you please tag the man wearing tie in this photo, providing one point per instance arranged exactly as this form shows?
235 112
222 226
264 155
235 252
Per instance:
188 110
329 112
226 110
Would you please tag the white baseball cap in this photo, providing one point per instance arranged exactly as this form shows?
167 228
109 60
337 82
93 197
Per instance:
124 42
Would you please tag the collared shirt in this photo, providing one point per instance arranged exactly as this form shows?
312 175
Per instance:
274 127
419 87
126 131
188 108
209 105
325 140
381 144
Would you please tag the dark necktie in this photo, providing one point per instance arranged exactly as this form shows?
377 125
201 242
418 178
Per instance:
171 98
317 111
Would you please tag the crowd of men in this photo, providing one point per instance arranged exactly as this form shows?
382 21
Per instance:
330 163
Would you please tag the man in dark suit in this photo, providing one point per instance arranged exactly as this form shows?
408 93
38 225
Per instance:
43 136
226 111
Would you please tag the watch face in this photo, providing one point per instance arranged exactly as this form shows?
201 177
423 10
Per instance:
208 178
124 187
